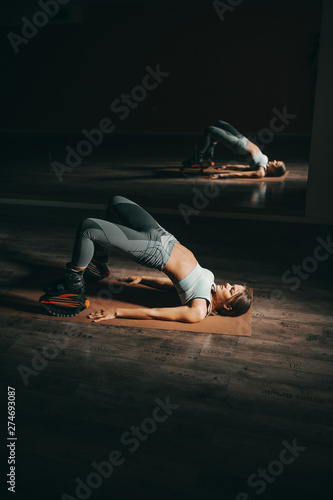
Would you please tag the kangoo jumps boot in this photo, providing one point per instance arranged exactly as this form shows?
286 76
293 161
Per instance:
97 270
72 282
65 297
194 161
208 160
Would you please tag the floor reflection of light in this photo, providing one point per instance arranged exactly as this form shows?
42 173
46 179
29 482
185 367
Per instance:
258 195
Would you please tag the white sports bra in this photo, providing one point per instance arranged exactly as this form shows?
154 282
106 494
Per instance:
259 160
196 285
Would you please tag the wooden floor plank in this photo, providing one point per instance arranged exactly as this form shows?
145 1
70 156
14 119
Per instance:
239 398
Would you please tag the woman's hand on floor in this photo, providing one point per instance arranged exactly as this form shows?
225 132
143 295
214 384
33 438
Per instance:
103 315
131 280
218 176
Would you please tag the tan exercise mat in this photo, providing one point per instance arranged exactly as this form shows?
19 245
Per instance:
188 171
22 300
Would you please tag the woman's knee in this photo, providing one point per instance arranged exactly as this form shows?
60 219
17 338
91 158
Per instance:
87 224
211 130
112 207
116 199
220 124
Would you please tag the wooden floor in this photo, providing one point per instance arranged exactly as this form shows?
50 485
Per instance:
133 166
237 400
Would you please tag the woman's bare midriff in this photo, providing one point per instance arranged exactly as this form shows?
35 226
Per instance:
252 149
180 263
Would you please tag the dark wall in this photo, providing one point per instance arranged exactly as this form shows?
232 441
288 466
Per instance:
261 56
319 203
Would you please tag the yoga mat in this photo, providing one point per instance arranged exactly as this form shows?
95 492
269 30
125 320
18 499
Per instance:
22 300
188 172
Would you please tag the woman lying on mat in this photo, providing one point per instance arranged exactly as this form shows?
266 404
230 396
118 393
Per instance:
148 244
259 166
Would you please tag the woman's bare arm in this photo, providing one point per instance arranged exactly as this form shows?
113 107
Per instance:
236 167
162 283
184 314
254 174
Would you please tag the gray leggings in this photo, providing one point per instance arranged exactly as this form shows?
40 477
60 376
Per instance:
225 134
140 236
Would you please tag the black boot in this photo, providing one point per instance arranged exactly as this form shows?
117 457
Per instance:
208 160
208 156
72 282
194 161
96 270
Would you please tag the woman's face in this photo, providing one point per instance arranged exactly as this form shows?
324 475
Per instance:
226 292
272 166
